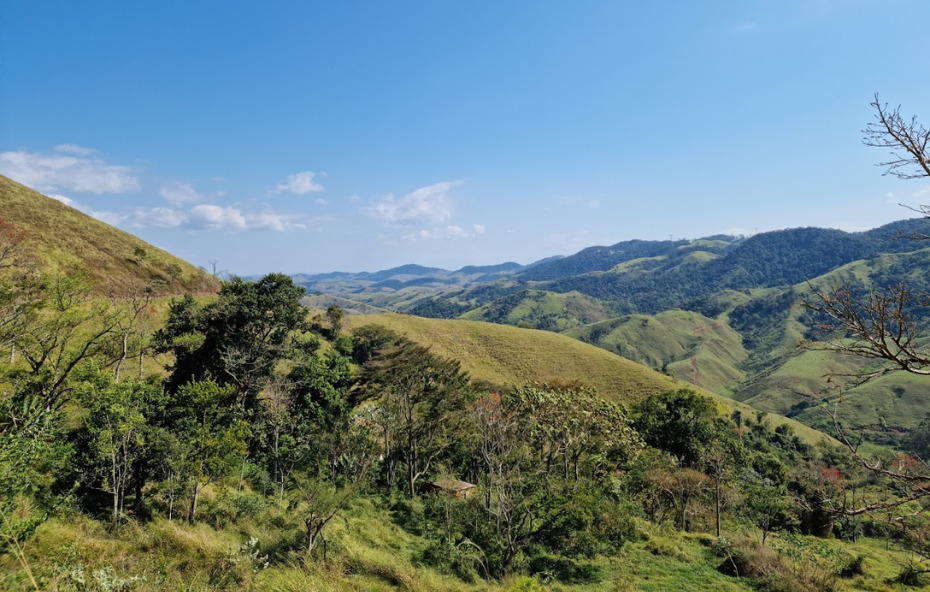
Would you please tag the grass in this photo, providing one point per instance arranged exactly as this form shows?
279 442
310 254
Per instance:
544 310
506 355
370 551
691 346
62 239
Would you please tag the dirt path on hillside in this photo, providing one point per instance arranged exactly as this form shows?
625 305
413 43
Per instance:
694 364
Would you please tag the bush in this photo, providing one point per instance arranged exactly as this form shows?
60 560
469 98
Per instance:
768 571
852 567
912 574
565 570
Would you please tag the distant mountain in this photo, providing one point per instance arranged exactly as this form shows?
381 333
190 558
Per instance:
721 312
60 238
404 270
489 269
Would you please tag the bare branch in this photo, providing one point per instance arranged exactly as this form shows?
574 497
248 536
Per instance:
907 139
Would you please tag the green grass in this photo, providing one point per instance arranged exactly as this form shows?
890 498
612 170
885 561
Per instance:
692 347
369 551
634 264
506 355
543 310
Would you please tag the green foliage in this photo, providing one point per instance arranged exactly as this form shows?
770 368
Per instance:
368 340
416 395
236 340
115 430
680 422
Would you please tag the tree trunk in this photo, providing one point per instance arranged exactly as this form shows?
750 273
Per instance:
192 511
119 363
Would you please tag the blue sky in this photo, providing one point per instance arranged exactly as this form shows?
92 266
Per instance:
315 136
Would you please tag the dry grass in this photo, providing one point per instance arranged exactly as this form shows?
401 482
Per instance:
62 239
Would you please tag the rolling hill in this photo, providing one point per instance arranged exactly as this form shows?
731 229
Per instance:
59 238
503 355
720 312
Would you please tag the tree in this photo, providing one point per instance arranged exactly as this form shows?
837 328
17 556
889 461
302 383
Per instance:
68 326
883 324
721 459
680 422
115 425
212 433
236 340
334 315
419 400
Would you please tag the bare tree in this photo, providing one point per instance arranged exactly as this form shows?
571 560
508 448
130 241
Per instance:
882 324
908 140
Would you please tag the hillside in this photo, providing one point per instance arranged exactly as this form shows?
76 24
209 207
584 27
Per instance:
505 355
687 345
541 310
59 238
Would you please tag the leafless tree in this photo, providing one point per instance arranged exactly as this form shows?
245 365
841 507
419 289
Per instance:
882 325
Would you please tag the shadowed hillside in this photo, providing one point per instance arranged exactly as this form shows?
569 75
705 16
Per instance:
59 238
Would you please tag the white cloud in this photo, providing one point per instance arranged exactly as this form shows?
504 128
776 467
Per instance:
593 203
321 201
427 205
178 192
51 172
111 218
75 149
269 220
451 231
300 184
158 217
63 199
456 231
213 217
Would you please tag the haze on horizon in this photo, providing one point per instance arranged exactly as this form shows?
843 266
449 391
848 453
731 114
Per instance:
312 136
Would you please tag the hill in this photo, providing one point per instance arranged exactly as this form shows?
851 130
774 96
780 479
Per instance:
541 310
686 345
59 238
504 355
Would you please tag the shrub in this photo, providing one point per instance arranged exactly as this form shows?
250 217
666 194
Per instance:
565 570
852 567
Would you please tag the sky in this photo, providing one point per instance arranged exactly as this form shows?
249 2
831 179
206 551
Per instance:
315 136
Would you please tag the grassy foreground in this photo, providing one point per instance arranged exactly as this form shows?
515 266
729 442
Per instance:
368 550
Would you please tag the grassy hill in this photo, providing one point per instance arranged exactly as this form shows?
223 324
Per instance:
684 344
541 310
61 239
506 355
